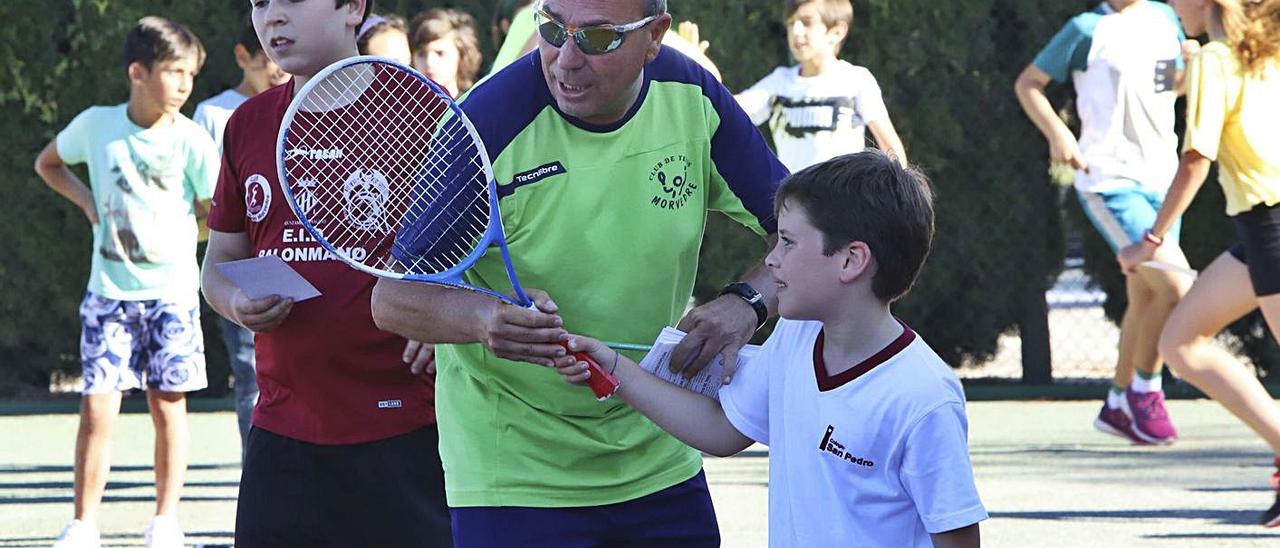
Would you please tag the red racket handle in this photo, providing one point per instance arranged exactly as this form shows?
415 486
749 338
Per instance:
601 382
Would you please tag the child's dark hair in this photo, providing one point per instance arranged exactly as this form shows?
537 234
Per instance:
368 8
248 37
437 23
868 197
376 25
156 39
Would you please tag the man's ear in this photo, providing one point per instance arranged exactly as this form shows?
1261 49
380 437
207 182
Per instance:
658 30
857 261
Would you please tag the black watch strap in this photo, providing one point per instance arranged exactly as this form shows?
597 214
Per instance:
753 298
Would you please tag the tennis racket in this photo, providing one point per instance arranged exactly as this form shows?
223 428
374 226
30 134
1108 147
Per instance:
385 171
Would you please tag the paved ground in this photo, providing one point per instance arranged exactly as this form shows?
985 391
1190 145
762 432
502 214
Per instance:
1046 477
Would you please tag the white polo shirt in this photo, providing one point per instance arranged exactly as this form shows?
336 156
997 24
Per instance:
877 455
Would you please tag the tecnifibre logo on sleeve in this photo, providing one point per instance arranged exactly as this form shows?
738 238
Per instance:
532 176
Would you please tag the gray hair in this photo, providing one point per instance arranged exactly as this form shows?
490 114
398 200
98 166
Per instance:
655 7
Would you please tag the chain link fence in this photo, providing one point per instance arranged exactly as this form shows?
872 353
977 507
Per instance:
1084 342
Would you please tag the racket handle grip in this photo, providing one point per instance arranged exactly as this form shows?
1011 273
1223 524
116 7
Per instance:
601 382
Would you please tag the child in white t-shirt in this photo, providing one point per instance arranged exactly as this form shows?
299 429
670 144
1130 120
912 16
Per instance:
865 423
822 107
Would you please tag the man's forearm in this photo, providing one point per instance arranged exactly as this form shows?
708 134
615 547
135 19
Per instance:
762 281
428 313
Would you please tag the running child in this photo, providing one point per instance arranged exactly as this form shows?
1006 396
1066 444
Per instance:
1232 86
1125 59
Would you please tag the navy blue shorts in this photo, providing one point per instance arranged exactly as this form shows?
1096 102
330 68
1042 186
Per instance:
386 493
680 516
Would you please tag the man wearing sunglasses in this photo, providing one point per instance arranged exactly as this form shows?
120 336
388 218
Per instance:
609 150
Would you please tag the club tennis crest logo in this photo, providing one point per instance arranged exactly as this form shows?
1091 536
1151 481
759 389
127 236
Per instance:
671 175
364 199
306 195
257 197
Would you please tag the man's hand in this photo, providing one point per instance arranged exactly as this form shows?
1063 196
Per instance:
526 335
723 327
1135 254
261 315
421 357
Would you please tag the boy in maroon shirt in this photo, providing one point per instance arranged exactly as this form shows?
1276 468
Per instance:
343 450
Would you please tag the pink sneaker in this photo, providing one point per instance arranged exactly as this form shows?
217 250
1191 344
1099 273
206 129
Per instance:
1116 422
1150 418
1271 518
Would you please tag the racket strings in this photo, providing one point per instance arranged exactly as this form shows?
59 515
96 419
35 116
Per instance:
385 173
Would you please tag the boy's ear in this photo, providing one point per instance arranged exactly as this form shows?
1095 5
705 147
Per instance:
838 33
243 58
137 72
857 261
355 14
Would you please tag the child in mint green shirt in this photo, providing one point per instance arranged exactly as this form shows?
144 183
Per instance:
151 170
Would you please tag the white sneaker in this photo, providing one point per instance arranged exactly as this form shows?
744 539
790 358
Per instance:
164 532
78 534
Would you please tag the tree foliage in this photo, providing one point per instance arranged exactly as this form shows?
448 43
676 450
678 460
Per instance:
946 69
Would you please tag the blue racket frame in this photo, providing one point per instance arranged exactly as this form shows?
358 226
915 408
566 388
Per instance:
494 232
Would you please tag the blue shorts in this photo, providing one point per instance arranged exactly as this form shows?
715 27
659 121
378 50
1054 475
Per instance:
1123 215
123 341
680 516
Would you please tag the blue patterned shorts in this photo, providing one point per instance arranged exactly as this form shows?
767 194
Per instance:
120 340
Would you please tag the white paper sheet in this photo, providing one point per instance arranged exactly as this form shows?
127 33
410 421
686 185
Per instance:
707 382
262 277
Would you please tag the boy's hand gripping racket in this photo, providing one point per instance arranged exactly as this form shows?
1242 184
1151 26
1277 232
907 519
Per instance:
385 171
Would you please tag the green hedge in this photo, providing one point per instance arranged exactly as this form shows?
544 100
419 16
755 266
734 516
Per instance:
946 68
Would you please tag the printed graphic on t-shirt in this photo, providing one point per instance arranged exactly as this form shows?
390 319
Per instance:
1166 75
671 177
257 197
834 448
127 225
801 117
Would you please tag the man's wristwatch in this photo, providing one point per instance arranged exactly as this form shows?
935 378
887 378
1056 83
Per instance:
753 298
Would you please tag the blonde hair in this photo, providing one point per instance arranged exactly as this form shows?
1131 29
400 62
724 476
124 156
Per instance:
1253 31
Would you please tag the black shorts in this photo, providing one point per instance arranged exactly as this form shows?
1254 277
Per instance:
383 493
1258 246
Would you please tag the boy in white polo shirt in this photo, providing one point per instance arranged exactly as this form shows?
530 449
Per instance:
865 423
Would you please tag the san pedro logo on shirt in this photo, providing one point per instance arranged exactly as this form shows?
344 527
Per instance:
831 446
674 187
